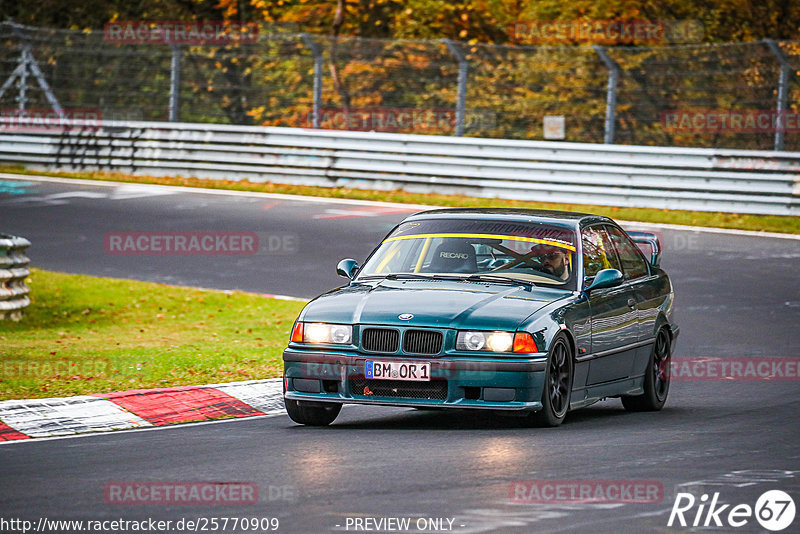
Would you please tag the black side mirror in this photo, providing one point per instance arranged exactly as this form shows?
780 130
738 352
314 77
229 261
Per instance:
604 279
347 268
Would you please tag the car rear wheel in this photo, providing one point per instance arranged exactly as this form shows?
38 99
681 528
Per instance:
312 413
656 379
557 386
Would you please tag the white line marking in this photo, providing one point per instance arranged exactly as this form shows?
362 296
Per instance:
326 200
371 211
665 226
222 192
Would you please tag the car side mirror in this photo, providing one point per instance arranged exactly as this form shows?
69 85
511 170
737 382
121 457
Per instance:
605 279
347 268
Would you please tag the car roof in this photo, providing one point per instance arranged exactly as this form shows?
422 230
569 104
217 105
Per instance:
568 218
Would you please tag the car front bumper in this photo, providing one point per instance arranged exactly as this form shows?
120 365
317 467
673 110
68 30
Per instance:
475 383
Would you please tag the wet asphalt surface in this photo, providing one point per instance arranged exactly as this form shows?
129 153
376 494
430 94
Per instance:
736 296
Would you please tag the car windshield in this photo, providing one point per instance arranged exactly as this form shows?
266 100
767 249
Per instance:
542 254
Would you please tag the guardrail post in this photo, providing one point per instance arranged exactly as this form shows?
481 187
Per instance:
783 93
13 272
611 95
462 84
316 51
174 83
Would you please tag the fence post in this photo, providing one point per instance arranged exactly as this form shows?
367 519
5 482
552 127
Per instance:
462 84
783 93
611 96
27 63
174 83
316 51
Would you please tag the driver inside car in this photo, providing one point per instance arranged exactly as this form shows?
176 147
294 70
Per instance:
553 261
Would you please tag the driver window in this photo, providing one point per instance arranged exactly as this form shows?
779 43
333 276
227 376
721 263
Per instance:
633 263
598 252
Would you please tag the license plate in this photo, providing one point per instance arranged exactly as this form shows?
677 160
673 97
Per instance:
381 370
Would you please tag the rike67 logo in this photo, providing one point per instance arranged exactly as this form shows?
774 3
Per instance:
774 510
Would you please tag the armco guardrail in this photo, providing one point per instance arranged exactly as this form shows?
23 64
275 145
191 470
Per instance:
577 173
13 272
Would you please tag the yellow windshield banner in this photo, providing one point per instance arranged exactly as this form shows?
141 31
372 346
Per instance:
486 236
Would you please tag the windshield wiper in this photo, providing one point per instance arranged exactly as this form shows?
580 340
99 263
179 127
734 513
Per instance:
417 276
499 279
404 276
470 278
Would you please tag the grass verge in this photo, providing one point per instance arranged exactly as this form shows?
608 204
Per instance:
83 335
763 223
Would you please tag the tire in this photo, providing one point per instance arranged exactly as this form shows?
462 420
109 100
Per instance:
312 413
557 389
656 378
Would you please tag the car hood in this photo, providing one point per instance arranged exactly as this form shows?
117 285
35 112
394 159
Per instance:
433 303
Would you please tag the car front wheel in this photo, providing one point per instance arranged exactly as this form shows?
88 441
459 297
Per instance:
312 413
557 386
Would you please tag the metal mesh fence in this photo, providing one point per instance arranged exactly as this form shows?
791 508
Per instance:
414 86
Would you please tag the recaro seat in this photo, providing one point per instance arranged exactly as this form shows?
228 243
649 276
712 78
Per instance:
454 256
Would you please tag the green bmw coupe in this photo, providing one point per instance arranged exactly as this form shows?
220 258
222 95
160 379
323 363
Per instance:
525 312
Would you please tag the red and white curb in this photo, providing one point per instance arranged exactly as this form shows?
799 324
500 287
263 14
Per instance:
138 408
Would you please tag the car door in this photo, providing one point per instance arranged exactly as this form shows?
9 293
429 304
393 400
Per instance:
614 321
637 274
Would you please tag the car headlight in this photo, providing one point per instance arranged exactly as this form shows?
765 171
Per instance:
495 341
339 334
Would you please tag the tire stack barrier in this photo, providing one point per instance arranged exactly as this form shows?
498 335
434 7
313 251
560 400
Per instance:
13 272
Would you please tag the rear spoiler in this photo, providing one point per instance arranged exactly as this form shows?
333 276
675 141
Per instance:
649 240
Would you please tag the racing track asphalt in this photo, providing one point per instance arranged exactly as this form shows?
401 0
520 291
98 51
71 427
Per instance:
736 296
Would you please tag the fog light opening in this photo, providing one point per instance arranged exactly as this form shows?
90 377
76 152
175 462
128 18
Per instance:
472 392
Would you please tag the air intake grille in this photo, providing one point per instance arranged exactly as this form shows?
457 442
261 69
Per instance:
434 390
422 342
380 340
